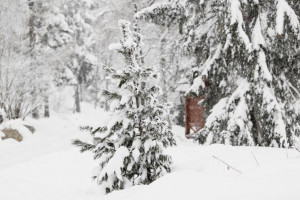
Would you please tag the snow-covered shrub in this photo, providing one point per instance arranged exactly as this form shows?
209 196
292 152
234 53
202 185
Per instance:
16 85
19 79
131 147
247 53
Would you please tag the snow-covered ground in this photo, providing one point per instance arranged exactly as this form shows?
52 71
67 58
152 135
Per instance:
45 166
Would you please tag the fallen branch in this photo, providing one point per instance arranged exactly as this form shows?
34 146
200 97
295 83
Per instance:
229 166
255 158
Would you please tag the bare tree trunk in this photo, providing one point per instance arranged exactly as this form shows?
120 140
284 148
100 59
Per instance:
97 89
81 92
35 112
1 119
31 26
46 106
106 102
77 98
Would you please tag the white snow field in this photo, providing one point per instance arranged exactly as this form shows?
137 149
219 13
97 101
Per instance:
45 166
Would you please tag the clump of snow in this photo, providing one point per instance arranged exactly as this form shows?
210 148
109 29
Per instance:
218 112
237 17
262 64
154 8
115 163
283 9
198 82
257 37
115 46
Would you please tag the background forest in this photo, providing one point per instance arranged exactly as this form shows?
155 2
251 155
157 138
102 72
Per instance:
243 56
53 50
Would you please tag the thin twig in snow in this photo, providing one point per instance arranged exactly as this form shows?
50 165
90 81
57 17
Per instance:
255 158
229 166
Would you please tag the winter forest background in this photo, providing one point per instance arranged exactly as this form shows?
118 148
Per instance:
122 69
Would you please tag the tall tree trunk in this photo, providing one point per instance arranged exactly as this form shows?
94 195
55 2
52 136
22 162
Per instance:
35 112
106 101
96 81
1 118
77 98
46 106
31 26
81 92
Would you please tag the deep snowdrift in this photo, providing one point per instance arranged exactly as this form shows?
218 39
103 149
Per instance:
46 166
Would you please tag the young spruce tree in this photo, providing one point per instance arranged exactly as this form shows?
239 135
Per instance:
131 146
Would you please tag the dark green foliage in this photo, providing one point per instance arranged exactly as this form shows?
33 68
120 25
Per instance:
248 67
130 148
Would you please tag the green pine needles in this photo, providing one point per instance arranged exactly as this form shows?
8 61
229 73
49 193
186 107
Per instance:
131 147
246 58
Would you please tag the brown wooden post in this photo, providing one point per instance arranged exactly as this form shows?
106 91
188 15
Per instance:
194 115
187 117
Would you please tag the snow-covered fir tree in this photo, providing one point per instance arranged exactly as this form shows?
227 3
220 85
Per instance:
245 53
51 27
131 146
80 20
52 34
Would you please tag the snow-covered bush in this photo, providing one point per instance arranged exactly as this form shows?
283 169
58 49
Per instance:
247 53
131 146
17 78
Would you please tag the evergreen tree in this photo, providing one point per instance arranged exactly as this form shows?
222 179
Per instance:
52 30
131 146
245 51
80 21
52 35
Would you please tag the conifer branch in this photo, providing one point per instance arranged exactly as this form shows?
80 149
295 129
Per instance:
84 146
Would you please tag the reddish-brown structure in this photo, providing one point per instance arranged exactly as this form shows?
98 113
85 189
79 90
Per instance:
194 114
